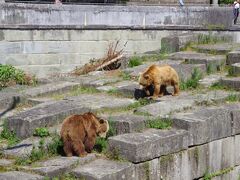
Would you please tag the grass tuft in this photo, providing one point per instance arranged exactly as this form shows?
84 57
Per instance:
8 135
159 123
193 82
134 61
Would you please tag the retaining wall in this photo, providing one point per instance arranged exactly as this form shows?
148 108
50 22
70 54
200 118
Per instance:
48 39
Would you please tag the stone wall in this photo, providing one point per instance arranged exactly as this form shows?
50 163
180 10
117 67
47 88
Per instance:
48 39
120 17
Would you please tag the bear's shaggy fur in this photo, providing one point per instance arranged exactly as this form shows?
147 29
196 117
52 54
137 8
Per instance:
159 76
79 133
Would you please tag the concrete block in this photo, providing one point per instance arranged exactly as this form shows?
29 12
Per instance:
236 148
198 160
10 48
16 36
175 166
148 170
105 170
235 114
128 123
233 57
50 113
60 165
210 80
235 69
233 82
164 108
228 153
18 175
205 125
219 48
138 147
46 89
5 162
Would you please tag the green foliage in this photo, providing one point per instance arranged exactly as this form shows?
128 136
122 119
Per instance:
210 69
141 102
208 176
233 98
210 38
82 90
114 154
101 143
125 76
9 75
134 61
159 123
230 71
217 86
56 146
43 151
41 132
8 135
226 1
193 82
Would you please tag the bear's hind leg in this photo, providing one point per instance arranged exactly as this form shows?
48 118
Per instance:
68 148
79 148
176 89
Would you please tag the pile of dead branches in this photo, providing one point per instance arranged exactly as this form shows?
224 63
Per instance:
109 62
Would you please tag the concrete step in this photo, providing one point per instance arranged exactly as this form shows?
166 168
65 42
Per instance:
127 123
208 124
51 113
213 63
124 88
102 169
18 175
171 104
58 166
150 144
46 89
184 70
211 79
233 57
231 82
219 48
235 69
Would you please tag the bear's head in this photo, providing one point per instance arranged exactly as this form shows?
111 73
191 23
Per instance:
101 125
103 128
145 79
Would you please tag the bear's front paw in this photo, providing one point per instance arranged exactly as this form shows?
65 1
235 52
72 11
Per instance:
83 154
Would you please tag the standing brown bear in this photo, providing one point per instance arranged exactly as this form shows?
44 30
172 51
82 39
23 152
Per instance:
79 133
159 76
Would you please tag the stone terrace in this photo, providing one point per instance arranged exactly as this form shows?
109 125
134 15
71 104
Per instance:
204 137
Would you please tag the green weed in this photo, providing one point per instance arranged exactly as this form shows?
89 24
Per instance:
101 143
41 132
134 61
43 151
8 135
208 176
125 76
9 75
193 82
233 98
159 123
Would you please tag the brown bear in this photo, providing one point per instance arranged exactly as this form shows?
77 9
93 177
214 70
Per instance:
160 77
79 133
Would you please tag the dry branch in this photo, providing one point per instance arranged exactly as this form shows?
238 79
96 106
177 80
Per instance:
109 62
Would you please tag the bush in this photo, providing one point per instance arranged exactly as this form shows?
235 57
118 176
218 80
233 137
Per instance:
9 75
134 61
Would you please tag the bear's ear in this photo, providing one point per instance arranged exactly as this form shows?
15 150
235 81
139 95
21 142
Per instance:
146 76
101 121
